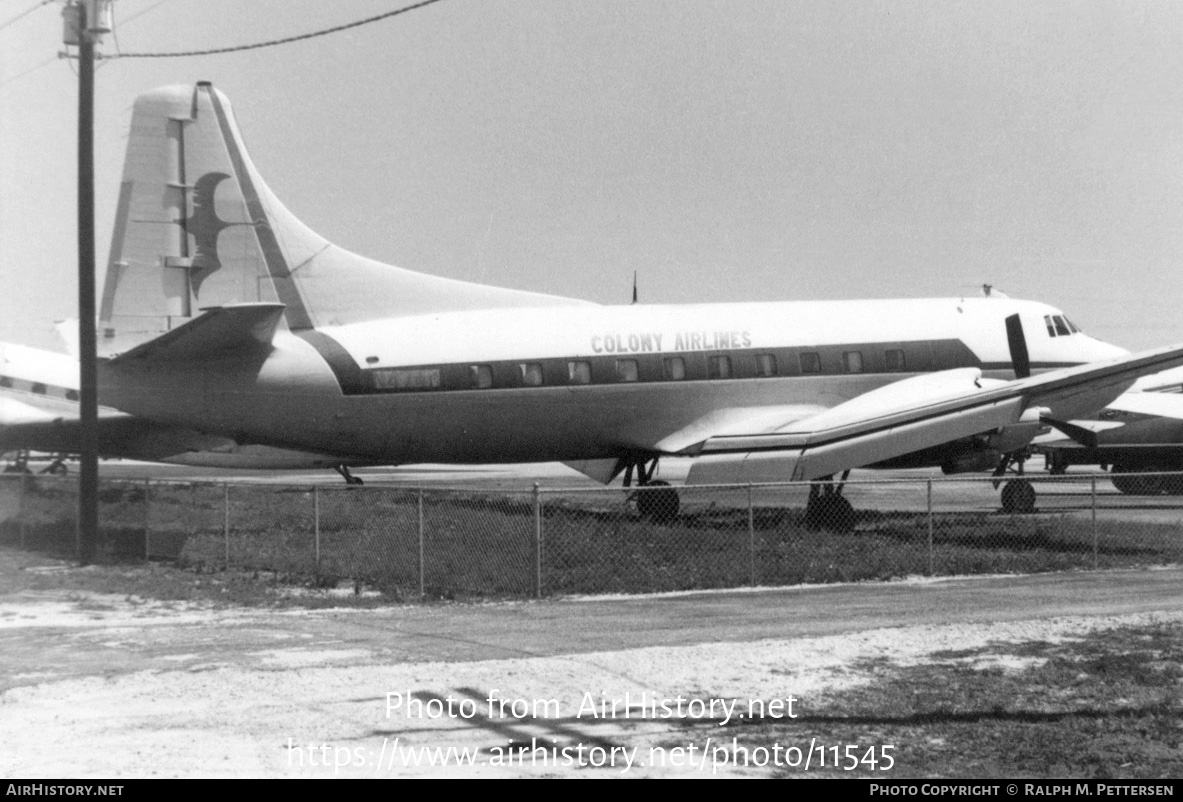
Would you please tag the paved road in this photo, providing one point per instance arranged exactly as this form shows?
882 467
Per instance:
455 633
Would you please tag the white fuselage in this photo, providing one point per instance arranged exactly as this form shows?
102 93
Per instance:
581 382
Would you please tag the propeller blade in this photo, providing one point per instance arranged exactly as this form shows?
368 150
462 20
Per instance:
1019 358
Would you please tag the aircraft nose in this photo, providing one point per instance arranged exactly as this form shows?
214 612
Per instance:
1101 350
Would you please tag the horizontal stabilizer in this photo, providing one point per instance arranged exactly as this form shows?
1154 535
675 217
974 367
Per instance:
219 332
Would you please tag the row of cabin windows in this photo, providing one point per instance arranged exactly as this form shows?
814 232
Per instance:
38 388
673 368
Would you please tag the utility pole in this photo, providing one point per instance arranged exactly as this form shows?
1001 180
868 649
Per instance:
85 21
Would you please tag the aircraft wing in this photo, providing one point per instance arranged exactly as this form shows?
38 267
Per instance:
912 415
1163 405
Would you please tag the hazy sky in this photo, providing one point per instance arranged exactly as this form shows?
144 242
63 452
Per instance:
723 150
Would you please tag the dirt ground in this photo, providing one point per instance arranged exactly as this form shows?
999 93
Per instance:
110 685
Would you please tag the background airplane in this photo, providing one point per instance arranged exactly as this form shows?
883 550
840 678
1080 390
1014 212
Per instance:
1141 432
224 317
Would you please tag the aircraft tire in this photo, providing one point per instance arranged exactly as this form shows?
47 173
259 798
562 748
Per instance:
1018 497
1166 485
658 502
1173 485
832 512
1134 485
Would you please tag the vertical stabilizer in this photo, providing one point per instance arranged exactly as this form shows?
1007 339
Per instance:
192 228
197 227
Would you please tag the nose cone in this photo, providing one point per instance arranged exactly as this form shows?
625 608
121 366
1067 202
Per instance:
1098 350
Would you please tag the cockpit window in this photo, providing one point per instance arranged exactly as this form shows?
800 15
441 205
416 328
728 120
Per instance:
1073 326
1061 326
1051 327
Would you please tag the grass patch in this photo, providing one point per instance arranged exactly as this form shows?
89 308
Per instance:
483 545
1107 706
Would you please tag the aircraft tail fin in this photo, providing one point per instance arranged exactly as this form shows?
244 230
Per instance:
197 227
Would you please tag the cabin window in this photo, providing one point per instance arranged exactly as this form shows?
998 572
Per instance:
39 388
626 370
480 377
1051 327
893 359
579 372
5 381
811 362
765 364
531 373
673 368
719 367
407 378
852 361
72 395
1061 326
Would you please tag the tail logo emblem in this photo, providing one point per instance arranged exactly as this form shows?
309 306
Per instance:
205 226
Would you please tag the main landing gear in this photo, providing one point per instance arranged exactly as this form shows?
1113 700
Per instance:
19 464
58 467
349 478
827 508
1018 495
655 499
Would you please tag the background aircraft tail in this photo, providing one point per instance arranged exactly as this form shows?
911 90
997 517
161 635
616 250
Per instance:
197 227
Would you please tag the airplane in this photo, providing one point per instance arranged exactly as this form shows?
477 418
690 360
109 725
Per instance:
39 412
224 319
1140 432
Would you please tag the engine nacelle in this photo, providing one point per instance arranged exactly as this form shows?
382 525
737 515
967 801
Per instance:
973 462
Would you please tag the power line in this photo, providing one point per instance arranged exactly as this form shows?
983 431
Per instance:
24 14
45 63
273 42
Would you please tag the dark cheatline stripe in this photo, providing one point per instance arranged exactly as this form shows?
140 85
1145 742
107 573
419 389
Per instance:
349 374
281 278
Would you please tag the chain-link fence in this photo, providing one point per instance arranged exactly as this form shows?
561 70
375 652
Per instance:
410 542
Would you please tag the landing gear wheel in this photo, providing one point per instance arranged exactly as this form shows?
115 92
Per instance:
57 468
1132 485
350 479
658 502
1172 485
830 511
1018 497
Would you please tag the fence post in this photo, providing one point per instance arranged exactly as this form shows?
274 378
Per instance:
537 541
751 541
147 520
930 560
226 521
1094 495
20 508
316 525
422 585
